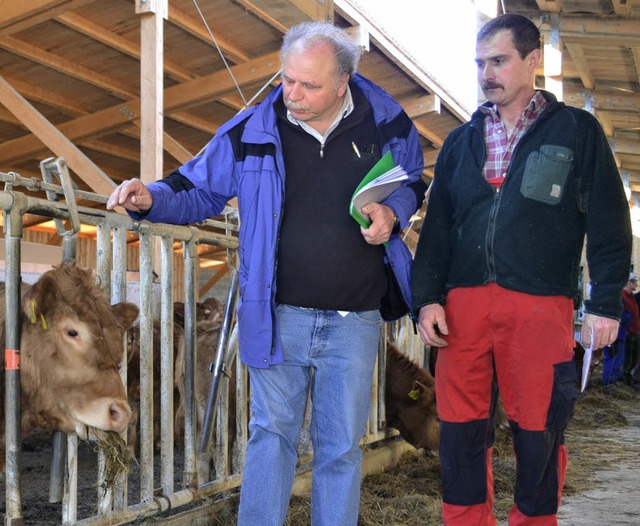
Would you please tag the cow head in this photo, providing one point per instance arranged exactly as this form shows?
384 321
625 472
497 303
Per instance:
410 401
71 348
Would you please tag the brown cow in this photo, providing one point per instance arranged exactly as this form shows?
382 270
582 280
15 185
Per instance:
207 310
410 400
70 351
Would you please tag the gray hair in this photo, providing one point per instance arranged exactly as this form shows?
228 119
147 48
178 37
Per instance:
306 34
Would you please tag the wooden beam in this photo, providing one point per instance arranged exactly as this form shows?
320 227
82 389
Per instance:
605 120
117 42
623 145
197 29
551 6
54 139
635 51
604 100
580 62
151 83
265 16
434 138
603 31
430 157
621 7
18 15
67 67
421 106
63 103
176 97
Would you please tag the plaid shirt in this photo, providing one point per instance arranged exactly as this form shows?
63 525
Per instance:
499 146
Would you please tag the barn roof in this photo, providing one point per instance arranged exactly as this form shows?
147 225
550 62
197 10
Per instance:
77 75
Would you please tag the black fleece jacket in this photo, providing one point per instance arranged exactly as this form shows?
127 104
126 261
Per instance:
562 183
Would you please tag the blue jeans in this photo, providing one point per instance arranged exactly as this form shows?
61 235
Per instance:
341 352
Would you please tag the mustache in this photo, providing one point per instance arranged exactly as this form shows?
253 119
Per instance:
491 85
295 106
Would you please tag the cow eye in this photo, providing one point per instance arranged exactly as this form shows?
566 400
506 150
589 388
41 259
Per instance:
72 332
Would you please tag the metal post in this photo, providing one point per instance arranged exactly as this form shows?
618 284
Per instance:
220 366
13 235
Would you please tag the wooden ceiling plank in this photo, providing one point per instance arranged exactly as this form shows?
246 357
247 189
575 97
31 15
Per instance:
635 52
423 130
622 7
187 24
421 106
117 42
263 15
605 100
597 28
175 98
97 180
623 145
314 9
209 87
67 67
550 6
431 157
108 148
19 15
606 122
67 105
204 125
580 62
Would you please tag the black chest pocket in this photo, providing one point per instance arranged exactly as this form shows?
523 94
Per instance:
545 174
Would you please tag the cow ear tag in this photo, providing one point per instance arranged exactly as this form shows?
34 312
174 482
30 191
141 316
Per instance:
32 317
414 394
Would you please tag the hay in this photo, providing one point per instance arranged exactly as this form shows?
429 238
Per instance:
117 456
410 495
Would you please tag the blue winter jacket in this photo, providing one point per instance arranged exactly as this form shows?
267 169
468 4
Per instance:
244 159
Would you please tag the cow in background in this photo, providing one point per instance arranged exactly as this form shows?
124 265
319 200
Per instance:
207 336
209 310
70 351
410 400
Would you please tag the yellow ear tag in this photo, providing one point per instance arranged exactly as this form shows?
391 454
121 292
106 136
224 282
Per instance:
32 318
414 394
44 322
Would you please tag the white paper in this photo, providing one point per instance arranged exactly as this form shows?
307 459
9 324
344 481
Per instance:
586 363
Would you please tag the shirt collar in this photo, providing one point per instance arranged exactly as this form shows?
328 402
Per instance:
347 108
533 105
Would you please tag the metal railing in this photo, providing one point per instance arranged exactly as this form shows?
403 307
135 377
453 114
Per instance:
112 245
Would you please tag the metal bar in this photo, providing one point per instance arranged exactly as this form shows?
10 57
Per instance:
190 257
114 283
146 368
70 500
166 366
220 365
13 234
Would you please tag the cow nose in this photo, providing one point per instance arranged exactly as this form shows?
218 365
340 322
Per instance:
119 414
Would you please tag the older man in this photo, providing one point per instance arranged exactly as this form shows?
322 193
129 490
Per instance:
311 280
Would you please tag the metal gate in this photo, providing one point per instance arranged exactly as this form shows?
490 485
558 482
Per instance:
169 479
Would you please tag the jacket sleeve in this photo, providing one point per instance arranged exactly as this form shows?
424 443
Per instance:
198 190
407 152
608 224
432 258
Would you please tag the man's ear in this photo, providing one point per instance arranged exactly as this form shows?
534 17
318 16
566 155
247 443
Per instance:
342 85
534 59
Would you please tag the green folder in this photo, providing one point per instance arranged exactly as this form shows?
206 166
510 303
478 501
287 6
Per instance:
377 185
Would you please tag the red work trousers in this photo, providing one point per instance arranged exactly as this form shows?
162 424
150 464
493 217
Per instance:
523 345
